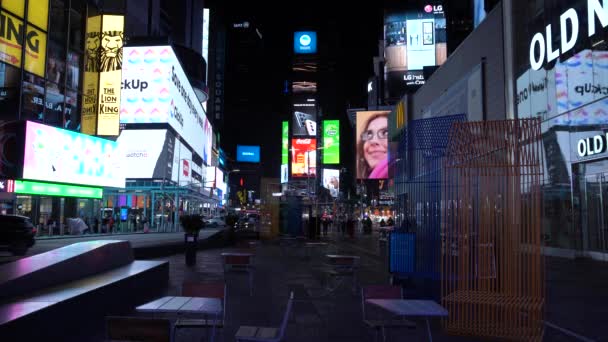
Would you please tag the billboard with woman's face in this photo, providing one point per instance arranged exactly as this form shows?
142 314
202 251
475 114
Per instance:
372 145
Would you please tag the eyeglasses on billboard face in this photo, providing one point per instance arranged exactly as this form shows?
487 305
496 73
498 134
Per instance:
370 134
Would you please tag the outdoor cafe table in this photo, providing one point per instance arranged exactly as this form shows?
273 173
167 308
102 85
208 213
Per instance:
184 305
412 308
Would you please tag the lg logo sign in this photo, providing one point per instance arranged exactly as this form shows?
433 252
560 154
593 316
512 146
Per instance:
433 8
541 47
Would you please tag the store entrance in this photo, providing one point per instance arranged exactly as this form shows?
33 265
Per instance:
594 209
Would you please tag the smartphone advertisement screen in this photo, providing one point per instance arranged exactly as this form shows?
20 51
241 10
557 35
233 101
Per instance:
304 116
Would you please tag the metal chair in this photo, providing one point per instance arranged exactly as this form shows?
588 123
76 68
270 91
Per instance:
265 334
382 292
138 329
240 263
203 289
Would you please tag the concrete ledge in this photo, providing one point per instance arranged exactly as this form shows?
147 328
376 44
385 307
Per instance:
56 313
62 265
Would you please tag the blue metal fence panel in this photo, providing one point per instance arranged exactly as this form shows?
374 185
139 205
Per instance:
403 251
418 194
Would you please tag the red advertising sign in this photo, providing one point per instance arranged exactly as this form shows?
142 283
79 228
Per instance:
303 157
186 168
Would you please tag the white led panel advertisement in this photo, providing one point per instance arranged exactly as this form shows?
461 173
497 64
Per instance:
182 164
151 159
155 89
58 155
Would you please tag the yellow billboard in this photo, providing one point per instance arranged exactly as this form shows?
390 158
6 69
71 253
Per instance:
37 13
90 87
13 37
110 74
35 51
16 6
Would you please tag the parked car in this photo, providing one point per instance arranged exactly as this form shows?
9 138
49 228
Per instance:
215 222
16 233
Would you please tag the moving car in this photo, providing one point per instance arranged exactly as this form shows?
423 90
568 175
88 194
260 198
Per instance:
215 222
16 233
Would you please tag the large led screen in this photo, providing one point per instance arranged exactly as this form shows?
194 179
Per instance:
305 42
219 180
284 173
577 86
304 116
331 142
182 164
372 145
303 157
285 143
331 181
155 89
248 154
147 153
58 155
50 189
414 39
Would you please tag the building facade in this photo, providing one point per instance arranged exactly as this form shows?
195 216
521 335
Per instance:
61 76
560 77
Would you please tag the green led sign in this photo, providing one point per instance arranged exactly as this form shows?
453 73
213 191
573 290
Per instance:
331 141
37 188
285 147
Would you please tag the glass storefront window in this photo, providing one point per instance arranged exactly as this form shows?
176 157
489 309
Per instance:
73 70
76 20
570 96
55 63
10 79
54 105
32 106
57 29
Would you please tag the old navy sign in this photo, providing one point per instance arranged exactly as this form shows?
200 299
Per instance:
541 47
592 145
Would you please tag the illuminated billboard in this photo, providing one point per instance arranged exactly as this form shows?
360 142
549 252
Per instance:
303 157
284 173
331 142
90 85
110 74
182 164
155 89
305 42
285 143
414 39
248 154
149 160
372 145
58 155
331 181
12 37
101 98
304 116
63 190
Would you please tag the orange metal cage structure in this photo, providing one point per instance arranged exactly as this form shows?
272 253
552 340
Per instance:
492 269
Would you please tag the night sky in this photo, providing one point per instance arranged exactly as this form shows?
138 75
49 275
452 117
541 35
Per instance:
348 40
